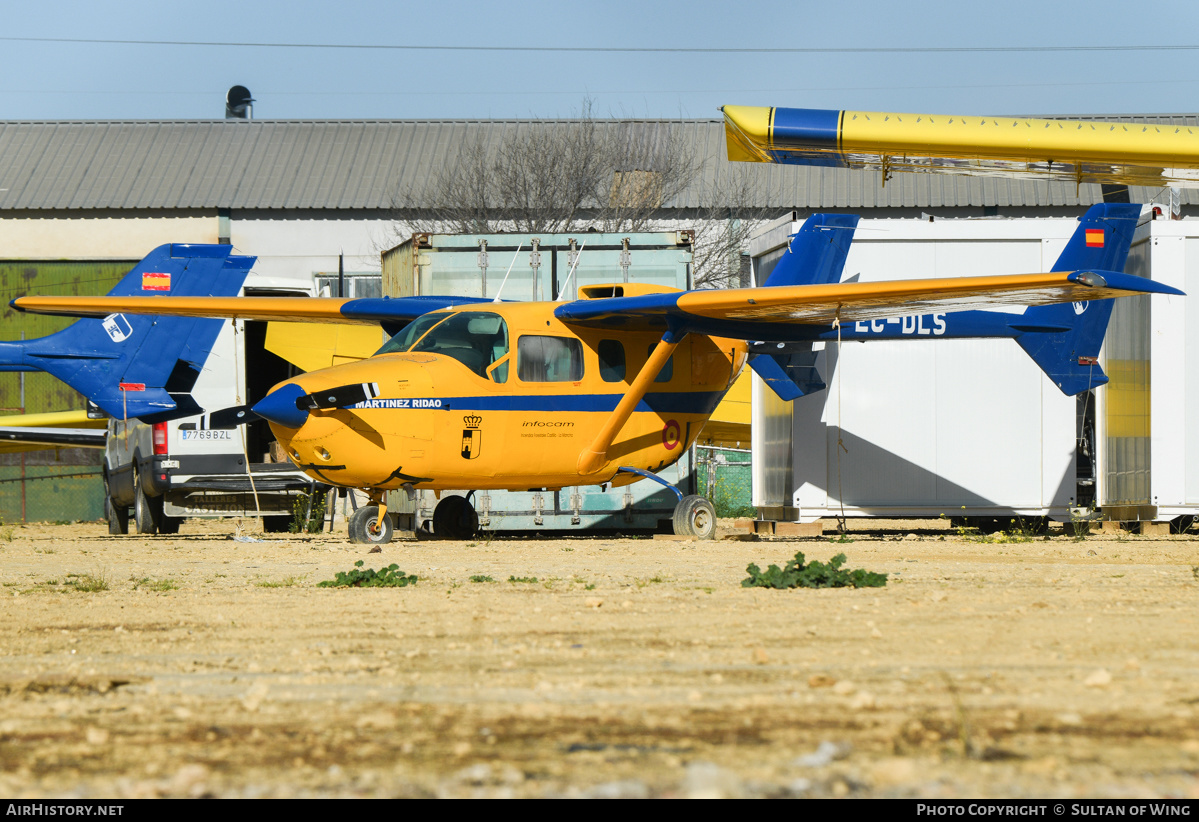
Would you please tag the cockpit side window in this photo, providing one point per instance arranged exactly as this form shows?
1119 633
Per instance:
474 338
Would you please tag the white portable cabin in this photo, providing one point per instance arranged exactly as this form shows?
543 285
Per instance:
1147 420
973 428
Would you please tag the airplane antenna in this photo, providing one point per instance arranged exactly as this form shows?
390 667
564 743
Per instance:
573 266
519 246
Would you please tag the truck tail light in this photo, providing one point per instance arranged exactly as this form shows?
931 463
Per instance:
160 437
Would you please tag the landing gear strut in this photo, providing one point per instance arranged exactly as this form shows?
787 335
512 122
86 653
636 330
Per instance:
694 516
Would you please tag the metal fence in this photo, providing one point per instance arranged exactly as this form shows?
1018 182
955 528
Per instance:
725 475
50 486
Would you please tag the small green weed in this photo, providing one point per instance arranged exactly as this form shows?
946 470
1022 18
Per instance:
529 580
813 575
286 582
1080 523
158 585
481 578
299 508
88 583
389 577
841 538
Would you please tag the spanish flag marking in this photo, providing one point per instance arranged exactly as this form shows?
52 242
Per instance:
161 281
1094 238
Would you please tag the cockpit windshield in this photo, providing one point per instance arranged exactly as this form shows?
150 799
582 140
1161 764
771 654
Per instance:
411 333
477 339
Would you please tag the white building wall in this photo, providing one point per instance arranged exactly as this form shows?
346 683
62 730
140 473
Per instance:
88 237
924 428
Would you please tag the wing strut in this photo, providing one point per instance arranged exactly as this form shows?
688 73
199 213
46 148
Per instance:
592 458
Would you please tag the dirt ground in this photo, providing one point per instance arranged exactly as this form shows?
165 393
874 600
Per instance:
209 666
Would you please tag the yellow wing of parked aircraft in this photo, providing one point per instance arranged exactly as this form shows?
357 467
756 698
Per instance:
1082 151
59 429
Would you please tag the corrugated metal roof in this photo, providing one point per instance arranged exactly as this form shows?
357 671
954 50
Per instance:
362 164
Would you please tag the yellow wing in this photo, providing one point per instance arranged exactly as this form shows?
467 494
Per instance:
323 309
737 312
295 309
58 429
1083 151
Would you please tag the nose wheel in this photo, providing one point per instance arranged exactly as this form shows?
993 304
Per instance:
370 527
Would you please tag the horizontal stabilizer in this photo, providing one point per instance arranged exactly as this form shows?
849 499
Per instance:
790 376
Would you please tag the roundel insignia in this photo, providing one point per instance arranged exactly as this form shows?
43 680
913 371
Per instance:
1080 307
670 435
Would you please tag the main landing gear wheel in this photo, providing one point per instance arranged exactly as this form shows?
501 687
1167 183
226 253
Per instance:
366 526
455 518
695 517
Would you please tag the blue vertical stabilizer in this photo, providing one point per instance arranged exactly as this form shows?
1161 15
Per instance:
1101 242
816 253
141 366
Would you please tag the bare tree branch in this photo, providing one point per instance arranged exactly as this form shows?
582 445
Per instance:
587 174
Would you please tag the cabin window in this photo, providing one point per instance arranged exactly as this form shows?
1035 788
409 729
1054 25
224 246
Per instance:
549 359
498 372
667 370
474 338
611 360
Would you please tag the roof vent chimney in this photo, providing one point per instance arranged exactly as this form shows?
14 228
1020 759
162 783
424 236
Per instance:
239 104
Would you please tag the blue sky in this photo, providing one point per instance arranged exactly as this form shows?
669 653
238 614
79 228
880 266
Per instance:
48 80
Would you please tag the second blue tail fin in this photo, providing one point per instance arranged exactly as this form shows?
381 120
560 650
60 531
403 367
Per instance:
1070 357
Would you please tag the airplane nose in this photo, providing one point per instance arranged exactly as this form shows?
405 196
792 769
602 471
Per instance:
279 406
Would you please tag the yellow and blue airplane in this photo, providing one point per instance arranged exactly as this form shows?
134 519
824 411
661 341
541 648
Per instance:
1082 151
616 385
